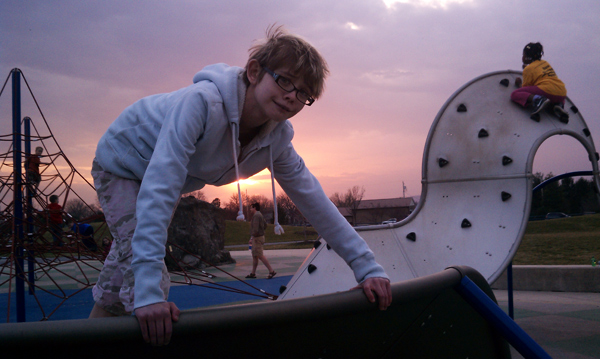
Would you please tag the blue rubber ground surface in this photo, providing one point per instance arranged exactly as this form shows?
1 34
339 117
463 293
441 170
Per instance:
185 297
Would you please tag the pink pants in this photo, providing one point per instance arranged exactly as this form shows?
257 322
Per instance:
521 95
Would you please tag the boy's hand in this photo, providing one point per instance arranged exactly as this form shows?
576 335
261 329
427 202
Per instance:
377 289
156 322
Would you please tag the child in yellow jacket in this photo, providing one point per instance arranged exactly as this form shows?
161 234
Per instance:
540 87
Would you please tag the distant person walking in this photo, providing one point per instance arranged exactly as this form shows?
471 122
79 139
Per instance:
540 87
257 240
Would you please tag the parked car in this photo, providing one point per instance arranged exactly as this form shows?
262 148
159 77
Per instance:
391 220
554 215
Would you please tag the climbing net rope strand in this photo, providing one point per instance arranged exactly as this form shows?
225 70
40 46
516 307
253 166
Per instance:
52 261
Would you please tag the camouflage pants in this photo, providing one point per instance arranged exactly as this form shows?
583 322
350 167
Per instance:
114 290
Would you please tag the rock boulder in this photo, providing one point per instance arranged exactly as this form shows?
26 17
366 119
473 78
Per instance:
196 231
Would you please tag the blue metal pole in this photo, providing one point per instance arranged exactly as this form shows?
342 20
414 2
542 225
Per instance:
30 193
564 175
511 312
509 275
511 307
492 313
17 201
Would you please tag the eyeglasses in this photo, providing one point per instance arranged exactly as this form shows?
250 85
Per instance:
287 85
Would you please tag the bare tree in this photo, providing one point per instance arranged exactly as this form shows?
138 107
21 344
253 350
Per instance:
289 213
339 200
79 210
351 200
232 206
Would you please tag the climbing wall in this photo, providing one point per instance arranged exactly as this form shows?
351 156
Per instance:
476 195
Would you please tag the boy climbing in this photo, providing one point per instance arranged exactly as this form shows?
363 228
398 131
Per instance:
33 163
231 123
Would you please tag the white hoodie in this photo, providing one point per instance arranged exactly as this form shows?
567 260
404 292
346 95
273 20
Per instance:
178 142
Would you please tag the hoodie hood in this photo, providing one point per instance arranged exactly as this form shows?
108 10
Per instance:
230 83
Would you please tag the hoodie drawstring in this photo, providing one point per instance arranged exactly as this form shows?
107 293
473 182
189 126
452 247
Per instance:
240 217
278 228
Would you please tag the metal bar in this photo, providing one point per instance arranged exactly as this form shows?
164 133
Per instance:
18 204
29 195
490 311
564 175
509 276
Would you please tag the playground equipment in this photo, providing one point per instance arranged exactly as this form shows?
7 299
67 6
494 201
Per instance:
30 249
430 317
474 208
30 246
476 192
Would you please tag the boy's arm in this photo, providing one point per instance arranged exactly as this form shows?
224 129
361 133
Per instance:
159 191
306 192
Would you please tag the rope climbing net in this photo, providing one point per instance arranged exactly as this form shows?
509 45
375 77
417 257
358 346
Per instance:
38 253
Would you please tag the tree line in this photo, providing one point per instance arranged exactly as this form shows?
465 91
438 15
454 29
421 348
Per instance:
566 195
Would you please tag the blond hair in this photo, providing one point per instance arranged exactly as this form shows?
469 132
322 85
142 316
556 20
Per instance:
281 48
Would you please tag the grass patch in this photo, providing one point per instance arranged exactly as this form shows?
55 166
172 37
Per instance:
563 241
238 233
573 240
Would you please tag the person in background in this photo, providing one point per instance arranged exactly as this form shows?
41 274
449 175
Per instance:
55 219
85 232
257 241
33 163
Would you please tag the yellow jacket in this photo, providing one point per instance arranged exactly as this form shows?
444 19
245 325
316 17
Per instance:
539 73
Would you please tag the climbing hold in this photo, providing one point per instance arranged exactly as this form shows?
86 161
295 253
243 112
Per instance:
465 223
442 162
586 132
328 246
504 82
317 244
505 196
311 268
412 236
506 160
574 109
461 108
483 133
282 289
535 117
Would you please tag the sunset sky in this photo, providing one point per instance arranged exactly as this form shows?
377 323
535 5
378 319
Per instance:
393 65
